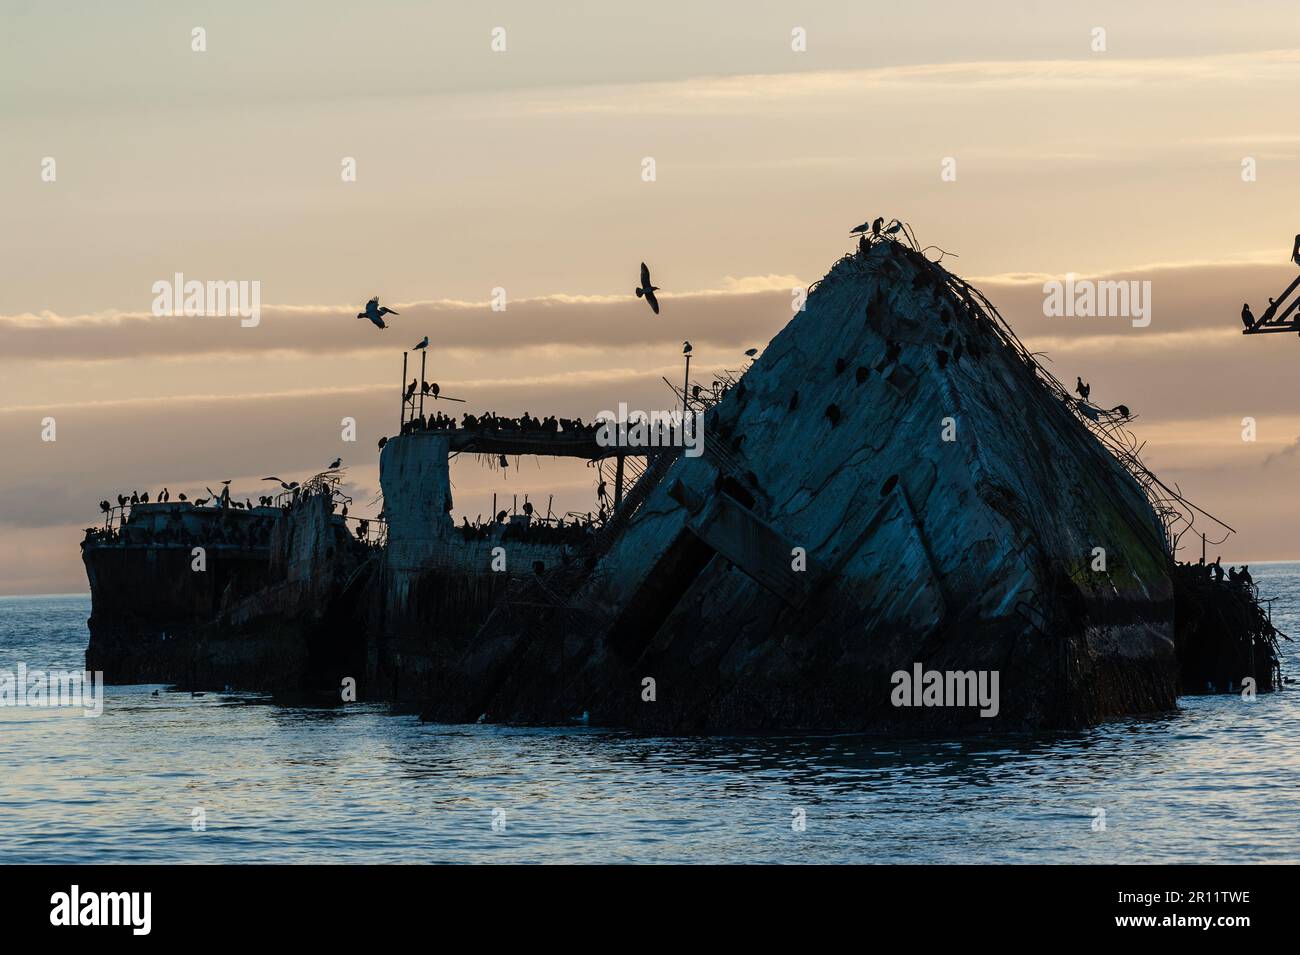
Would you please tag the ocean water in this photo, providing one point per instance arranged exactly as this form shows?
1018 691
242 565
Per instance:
1218 781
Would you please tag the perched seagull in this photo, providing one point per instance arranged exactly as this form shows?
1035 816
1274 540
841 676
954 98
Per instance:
647 290
336 463
686 350
1081 388
376 313
424 342
894 228
872 226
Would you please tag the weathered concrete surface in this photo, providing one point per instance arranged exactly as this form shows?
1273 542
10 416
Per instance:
433 589
970 554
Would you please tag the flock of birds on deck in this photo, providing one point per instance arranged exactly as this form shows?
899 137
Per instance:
221 498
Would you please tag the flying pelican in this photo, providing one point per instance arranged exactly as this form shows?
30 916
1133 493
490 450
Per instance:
647 290
424 343
375 312
1081 388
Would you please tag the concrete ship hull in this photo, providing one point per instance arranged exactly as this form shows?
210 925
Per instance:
893 485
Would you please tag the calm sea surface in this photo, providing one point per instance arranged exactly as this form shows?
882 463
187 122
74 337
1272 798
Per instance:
1218 781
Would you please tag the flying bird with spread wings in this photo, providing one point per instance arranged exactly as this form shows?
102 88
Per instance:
375 312
647 290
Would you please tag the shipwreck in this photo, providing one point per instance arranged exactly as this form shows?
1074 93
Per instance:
895 484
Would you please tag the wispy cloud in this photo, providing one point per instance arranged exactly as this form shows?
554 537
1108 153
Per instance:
821 90
730 315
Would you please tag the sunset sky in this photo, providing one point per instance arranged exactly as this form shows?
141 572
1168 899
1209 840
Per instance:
522 170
